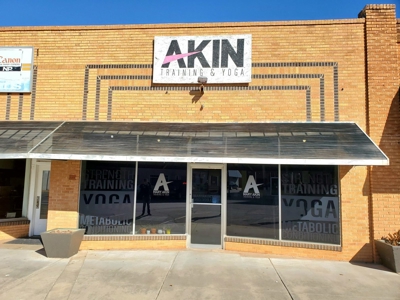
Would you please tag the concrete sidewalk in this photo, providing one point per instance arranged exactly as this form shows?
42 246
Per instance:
26 273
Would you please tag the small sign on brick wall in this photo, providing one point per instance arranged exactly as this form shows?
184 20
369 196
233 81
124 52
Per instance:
16 66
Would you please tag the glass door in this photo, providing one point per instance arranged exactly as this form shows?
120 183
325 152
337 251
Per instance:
206 208
41 200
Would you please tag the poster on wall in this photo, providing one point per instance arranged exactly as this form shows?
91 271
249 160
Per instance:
219 59
16 66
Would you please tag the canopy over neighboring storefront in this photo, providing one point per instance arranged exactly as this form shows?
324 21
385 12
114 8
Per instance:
336 143
19 138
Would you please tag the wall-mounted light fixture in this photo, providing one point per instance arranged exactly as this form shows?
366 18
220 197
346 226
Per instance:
202 80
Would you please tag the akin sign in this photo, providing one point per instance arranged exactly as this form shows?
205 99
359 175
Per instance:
183 59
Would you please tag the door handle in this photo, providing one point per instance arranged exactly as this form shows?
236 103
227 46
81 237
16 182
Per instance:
37 201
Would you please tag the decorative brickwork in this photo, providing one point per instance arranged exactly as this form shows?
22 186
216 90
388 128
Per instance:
133 78
282 243
150 237
33 94
89 82
20 111
8 107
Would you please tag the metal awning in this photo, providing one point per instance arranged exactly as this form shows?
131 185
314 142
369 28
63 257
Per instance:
319 143
18 138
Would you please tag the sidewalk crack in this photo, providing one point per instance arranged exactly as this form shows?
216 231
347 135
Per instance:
166 275
280 277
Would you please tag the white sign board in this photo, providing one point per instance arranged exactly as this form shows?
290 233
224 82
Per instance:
183 59
16 66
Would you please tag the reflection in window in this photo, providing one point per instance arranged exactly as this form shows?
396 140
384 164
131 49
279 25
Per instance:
107 197
12 176
310 204
206 209
44 199
161 198
252 201
206 186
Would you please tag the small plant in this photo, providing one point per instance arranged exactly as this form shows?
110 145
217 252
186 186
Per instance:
393 239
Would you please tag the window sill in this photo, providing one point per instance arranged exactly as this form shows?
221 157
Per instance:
138 237
14 221
294 244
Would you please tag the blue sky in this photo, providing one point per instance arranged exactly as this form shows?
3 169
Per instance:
107 12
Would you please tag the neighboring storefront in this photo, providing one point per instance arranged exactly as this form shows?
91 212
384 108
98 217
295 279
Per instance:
272 137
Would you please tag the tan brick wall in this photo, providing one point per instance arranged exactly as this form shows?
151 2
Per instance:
383 115
63 55
127 245
286 251
398 44
64 194
14 231
354 193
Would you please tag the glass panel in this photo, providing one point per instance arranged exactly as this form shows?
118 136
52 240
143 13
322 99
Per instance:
206 186
44 202
252 201
241 143
12 176
161 198
206 208
107 197
310 204
206 224
19 137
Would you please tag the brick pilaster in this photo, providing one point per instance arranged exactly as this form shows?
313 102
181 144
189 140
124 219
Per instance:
383 116
64 194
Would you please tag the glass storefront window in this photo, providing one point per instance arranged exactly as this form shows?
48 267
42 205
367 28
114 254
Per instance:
12 176
161 198
107 197
309 200
310 204
252 201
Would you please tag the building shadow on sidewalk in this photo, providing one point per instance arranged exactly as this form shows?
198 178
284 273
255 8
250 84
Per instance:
363 252
34 244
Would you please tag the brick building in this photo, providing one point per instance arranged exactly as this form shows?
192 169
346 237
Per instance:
272 137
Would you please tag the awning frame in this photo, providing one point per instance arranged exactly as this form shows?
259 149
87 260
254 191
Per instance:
139 141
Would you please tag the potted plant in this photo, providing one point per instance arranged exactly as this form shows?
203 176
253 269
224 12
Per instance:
62 242
389 251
